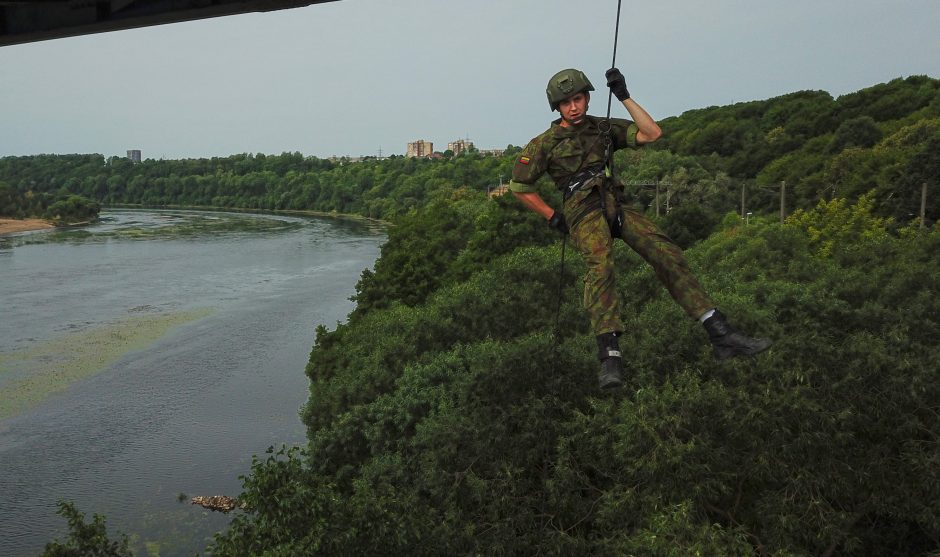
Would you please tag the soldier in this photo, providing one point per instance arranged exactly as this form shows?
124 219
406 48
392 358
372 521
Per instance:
576 152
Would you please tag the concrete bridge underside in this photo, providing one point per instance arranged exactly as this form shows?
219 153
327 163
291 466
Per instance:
38 20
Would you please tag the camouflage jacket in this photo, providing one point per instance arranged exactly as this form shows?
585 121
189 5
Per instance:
563 152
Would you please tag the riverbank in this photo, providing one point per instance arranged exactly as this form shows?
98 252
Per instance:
12 226
287 212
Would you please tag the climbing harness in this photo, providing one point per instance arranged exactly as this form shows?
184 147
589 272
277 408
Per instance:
582 180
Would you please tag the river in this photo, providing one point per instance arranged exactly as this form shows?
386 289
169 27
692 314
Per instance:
144 360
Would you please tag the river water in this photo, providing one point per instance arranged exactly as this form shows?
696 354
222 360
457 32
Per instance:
145 359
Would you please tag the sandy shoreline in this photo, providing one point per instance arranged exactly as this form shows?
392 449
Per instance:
10 226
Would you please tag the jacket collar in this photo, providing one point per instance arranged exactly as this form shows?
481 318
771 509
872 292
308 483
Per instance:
589 123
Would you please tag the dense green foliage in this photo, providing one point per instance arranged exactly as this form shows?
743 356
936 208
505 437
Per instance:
884 138
60 207
374 188
86 539
457 426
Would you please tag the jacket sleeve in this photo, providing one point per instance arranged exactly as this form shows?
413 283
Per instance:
625 133
529 167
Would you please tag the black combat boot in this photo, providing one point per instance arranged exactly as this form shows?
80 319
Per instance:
728 342
608 352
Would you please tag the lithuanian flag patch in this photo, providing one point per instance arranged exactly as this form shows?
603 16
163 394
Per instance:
523 160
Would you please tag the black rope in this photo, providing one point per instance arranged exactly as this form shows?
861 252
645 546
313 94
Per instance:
561 285
556 333
616 226
613 59
610 94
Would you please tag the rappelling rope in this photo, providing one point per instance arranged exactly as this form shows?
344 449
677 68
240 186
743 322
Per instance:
610 93
561 282
613 59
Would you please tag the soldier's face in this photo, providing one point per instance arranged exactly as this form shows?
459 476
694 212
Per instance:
573 109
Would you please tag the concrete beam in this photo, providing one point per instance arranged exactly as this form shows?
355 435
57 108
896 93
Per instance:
39 20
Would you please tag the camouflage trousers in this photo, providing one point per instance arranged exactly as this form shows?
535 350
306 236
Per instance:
592 237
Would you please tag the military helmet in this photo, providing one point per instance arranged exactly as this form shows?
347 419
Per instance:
565 84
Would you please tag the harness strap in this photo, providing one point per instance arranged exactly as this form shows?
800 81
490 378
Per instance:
581 180
615 224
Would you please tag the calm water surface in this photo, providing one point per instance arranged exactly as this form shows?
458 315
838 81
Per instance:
184 414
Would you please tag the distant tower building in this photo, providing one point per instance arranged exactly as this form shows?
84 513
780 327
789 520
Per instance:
133 155
420 148
459 146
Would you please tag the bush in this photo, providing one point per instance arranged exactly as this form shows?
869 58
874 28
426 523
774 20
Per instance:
85 539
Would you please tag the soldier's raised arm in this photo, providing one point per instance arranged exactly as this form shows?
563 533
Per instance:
649 130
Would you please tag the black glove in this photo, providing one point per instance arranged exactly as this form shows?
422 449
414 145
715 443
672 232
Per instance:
617 84
558 222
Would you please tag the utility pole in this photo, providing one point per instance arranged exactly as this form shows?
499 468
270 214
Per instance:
923 203
668 195
742 199
783 195
657 198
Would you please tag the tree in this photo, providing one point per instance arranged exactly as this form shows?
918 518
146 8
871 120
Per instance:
85 539
72 209
857 132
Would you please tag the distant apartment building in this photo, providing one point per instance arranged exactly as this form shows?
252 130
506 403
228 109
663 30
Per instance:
492 152
133 155
420 148
459 146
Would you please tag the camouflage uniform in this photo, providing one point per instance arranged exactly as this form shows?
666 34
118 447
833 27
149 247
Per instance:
563 152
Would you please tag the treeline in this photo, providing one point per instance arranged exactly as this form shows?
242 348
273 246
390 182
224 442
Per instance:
383 189
884 138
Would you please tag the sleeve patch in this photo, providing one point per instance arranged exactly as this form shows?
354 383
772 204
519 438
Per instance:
523 160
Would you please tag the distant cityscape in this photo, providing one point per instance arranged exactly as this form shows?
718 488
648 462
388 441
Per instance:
423 148
420 148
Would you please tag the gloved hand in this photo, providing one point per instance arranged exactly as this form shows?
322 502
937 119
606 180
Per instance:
617 84
558 222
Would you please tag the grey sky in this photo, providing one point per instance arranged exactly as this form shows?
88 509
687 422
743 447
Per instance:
354 76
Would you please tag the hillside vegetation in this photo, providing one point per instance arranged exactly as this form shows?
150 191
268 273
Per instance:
459 425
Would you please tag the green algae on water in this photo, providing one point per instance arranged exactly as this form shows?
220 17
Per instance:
31 375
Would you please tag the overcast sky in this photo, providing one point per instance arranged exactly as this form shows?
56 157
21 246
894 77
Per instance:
355 76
